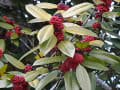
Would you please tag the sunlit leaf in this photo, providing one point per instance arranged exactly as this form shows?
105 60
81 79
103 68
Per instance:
2 44
36 20
96 43
6 26
47 5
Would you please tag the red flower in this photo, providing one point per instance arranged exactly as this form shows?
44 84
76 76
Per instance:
28 68
107 3
5 17
57 22
88 49
7 35
1 53
96 25
17 29
59 36
19 83
88 38
71 63
102 8
62 6
97 15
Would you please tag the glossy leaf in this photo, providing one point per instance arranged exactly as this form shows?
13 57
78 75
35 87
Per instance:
2 44
26 31
75 29
14 36
3 83
37 12
67 48
48 60
106 26
34 83
43 82
3 69
36 20
94 63
5 25
71 81
29 76
98 43
48 45
47 5
78 9
14 61
45 33
83 78
116 42
16 73
93 80
82 45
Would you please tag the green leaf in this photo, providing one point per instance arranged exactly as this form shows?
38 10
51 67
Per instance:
106 26
29 76
29 52
48 45
96 43
45 33
14 61
71 81
2 44
14 36
116 42
93 80
2 19
78 9
50 77
83 78
7 77
110 14
75 29
1 64
15 42
34 83
82 45
16 73
46 5
26 31
36 20
6 26
49 60
67 48
117 68
3 69
3 83
37 12
104 56
94 63
98 2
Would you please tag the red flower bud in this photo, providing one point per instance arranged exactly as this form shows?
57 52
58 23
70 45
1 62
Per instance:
28 68
62 6
88 38
96 25
88 49
1 52
7 35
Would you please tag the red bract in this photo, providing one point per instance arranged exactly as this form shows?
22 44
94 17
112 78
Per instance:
88 49
7 35
28 68
59 36
57 22
71 63
62 6
1 53
19 83
88 38
102 8
96 25
107 3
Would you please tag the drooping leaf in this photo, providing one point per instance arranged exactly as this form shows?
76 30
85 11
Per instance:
29 52
34 83
93 80
47 5
16 63
36 20
49 60
16 73
37 12
106 26
3 83
104 56
71 81
96 43
50 77
83 78
2 44
6 26
94 63
67 48
75 29
29 76
78 9
48 45
45 33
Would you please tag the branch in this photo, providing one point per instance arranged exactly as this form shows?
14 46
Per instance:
102 83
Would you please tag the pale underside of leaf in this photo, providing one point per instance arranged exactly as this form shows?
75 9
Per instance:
96 43
46 5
